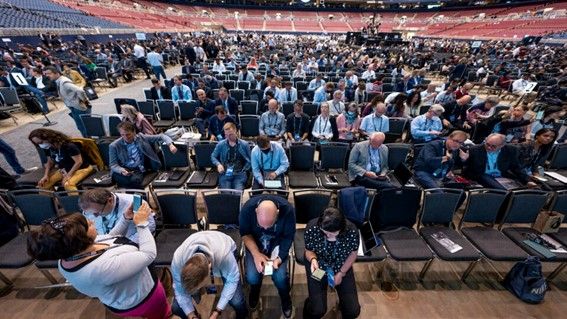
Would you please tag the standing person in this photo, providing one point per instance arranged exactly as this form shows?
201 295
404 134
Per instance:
331 244
72 167
140 54
115 271
73 96
267 227
155 59
11 158
201 256
232 159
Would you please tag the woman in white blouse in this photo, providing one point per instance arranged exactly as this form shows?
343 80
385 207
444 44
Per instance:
324 126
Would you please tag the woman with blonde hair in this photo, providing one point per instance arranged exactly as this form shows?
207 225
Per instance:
130 114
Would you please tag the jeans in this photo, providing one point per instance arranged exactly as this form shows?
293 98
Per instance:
236 181
373 183
76 115
38 94
159 71
142 64
427 180
10 156
238 303
316 302
280 277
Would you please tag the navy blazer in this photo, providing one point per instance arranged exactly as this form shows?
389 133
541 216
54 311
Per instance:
430 157
507 163
232 105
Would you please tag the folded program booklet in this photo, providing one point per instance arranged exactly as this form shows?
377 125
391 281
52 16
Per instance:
450 245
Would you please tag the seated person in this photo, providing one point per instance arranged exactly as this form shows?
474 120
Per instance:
297 123
229 103
180 91
201 256
316 83
551 119
428 126
534 153
455 115
513 124
108 210
232 159
376 121
348 124
74 75
217 122
132 155
331 232
287 94
269 161
495 159
322 93
130 114
159 92
368 163
245 75
205 109
43 83
65 162
324 126
263 104
336 105
437 158
272 122
483 110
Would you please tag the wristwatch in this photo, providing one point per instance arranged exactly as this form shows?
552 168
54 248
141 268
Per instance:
144 224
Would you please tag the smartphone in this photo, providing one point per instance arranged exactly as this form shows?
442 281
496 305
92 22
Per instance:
269 268
318 274
137 203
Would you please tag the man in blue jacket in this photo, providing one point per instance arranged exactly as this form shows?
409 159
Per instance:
436 159
269 162
267 227
232 159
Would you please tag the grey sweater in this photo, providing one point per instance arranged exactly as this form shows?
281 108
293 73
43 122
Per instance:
72 95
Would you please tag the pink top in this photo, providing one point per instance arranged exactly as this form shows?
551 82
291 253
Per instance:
341 123
144 126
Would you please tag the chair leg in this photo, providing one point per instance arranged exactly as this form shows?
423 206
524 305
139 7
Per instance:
5 279
469 270
49 276
557 271
425 269
292 273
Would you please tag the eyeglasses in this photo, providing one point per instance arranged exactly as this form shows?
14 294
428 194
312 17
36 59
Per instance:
492 145
458 142
55 223
97 213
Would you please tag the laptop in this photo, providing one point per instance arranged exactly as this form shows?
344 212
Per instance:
368 239
401 175
508 183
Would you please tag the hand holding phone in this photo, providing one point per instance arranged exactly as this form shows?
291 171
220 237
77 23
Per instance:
136 203
269 268
142 214
318 274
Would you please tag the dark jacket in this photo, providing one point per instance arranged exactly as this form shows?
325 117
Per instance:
507 163
430 157
49 85
304 126
283 231
232 105
165 93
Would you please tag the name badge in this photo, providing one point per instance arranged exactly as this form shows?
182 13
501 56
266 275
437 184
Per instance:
230 171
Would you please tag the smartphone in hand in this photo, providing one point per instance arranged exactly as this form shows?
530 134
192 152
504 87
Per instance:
137 203
318 274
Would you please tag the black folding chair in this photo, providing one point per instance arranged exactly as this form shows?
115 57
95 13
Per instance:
167 117
102 178
333 158
93 125
176 167
186 113
397 154
301 174
398 126
436 222
249 126
178 211
205 174
69 201
223 207
249 107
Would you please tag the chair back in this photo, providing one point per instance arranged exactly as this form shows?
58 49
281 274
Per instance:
113 122
333 155
301 156
560 202
525 205
310 204
237 94
203 151
310 109
147 108
395 208
287 108
93 124
179 159
249 107
559 157
249 125
166 110
439 205
483 205
69 201
397 154
397 125
36 205
187 109
223 205
178 208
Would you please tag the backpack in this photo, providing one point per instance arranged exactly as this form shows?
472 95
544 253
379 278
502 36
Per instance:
89 149
526 281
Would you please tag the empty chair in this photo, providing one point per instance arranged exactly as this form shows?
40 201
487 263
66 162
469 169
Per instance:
559 158
223 207
287 108
397 154
482 208
69 201
101 178
237 94
205 174
178 209
229 84
439 207
187 112
148 109
148 94
243 85
249 107
175 167
94 126
113 122
301 164
249 126
167 115
310 109
333 158
398 126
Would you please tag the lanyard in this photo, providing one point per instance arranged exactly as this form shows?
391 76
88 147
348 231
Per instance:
295 131
335 107
325 127
91 253
374 159
270 121
271 159
374 123
114 211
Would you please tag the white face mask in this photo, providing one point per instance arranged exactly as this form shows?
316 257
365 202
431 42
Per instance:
45 145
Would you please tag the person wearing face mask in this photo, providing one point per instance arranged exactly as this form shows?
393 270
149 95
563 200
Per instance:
232 159
331 244
65 163
107 210
436 159
129 155
348 124
269 161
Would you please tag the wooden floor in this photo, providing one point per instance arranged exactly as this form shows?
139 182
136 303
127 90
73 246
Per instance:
441 295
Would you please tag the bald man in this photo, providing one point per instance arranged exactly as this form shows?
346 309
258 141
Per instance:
205 109
272 122
368 163
493 160
455 115
267 227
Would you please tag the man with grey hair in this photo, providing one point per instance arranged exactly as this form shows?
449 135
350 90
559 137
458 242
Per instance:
376 121
428 126
491 163
368 163
336 105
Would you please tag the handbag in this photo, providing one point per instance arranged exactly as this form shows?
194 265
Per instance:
525 280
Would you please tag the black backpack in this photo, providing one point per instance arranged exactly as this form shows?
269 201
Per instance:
526 281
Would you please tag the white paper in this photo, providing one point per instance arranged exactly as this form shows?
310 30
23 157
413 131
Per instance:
557 176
